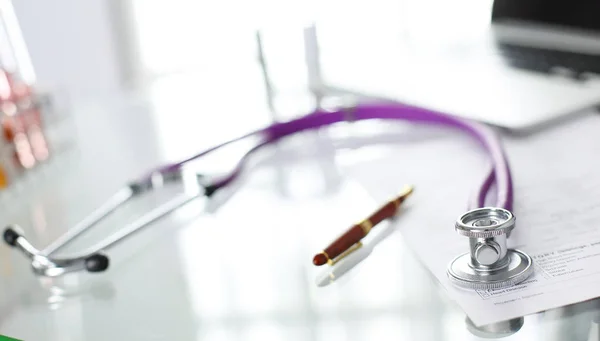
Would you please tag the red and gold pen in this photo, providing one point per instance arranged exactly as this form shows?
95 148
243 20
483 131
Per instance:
350 240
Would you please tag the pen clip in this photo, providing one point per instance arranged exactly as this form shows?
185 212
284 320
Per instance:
353 248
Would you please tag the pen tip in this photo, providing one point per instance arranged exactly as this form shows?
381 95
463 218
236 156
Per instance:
319 259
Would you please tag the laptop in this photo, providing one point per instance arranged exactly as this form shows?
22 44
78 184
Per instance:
528 68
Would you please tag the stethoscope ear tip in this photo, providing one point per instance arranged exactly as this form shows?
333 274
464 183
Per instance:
11 235
97 262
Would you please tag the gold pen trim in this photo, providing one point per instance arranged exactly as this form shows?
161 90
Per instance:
366 226
329 261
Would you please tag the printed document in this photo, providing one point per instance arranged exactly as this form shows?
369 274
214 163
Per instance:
557 207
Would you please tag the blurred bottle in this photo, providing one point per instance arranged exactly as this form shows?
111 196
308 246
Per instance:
23 140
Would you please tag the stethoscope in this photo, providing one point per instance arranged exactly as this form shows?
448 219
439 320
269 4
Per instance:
489 264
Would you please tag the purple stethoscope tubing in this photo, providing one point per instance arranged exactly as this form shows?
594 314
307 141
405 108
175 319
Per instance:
94 260
499 172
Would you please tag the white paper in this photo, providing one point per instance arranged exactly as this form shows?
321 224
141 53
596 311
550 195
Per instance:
557 205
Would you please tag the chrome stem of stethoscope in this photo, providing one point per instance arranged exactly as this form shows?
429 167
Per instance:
489 264
93 259
112 204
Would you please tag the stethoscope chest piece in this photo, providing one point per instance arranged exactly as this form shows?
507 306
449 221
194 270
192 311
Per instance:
489 264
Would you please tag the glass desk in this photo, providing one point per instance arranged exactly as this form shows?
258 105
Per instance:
237 267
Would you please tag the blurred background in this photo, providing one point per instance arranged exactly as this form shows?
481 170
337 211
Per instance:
102 47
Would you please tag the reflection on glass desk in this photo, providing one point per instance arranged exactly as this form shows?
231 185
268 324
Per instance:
239 267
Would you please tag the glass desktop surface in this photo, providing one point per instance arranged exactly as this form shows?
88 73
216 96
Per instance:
237 267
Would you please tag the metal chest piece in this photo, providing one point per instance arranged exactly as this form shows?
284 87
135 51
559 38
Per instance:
489 264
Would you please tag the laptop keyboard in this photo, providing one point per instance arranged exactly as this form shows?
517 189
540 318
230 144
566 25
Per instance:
546 60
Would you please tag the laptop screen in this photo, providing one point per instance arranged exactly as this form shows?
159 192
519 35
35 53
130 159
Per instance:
580 14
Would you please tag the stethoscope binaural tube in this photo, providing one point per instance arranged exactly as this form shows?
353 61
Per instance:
500 174
93 259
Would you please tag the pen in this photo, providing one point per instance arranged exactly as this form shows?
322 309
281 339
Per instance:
350 240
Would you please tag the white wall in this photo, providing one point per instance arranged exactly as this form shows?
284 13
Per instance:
72 45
